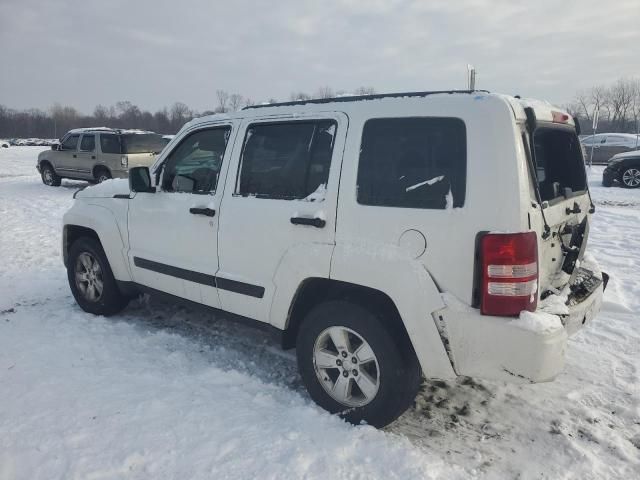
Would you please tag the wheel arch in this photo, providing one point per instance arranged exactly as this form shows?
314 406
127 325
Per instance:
313 291
97 222
97 168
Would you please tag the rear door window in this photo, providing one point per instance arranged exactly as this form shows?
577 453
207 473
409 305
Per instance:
413 163
88 143
286 160
559 163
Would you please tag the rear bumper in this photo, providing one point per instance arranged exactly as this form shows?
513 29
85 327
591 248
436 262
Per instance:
501 348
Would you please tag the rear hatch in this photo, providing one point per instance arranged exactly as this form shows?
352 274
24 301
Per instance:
560 210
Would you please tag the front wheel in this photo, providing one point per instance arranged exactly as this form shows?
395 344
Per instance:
91 279
49 176
630 177
354 365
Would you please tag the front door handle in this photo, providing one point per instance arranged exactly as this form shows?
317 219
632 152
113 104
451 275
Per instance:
209 212
75 156
93 157
314 222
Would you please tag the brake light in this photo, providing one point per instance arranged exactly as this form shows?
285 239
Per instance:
509 273
124 161
559 117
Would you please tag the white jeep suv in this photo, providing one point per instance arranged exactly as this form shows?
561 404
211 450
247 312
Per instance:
385 237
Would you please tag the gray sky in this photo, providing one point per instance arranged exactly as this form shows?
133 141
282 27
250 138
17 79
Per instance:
154 53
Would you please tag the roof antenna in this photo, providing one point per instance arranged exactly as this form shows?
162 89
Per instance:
471 77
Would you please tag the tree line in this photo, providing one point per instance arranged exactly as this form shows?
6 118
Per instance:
57 120
617 107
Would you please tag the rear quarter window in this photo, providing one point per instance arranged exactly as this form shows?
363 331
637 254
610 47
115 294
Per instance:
417 162
109 143
143 143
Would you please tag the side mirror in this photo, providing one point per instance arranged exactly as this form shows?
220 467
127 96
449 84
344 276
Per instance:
140 180
55 146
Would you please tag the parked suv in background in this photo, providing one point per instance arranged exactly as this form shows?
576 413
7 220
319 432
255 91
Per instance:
386 237
98 154
606 145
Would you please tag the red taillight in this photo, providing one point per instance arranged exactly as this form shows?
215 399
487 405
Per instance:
509 273
559 117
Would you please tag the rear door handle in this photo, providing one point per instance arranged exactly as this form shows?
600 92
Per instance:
75 156
314 222
209 212
93 157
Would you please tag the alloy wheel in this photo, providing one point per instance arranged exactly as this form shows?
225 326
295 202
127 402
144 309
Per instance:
631 177
88 275
346 366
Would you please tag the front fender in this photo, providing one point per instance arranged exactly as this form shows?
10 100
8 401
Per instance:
389 269
113 237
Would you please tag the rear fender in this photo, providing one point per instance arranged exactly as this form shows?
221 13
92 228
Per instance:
405 280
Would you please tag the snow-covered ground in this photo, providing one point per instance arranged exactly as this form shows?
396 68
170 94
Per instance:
166 392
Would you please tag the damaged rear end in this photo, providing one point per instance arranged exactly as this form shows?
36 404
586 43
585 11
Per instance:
535 285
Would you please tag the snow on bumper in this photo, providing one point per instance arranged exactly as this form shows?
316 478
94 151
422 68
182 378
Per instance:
530 349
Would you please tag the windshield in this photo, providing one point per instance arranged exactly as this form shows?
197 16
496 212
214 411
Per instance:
559 163
143 143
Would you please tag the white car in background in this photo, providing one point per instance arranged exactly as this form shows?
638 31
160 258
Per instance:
4 144
606 145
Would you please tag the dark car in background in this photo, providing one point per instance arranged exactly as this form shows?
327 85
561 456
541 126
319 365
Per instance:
624 169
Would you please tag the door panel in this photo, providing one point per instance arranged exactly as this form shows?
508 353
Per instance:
173 232
66 159
86 155
274 203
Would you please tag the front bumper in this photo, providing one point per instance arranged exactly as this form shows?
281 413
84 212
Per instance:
497 348
609 175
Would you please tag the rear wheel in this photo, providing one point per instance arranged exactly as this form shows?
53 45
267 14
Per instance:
102 174
352 364
630 177
91 279
49 176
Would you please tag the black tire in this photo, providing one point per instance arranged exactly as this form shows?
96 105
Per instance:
607 182
399 372
110 300
49 176
102 174
630 177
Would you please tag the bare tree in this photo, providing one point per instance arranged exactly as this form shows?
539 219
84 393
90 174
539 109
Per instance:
298 96
583 100
635 105
324 92
364 91
223 99
620 99
248 102
235 102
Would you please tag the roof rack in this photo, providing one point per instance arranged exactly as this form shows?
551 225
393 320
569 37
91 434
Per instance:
357 98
